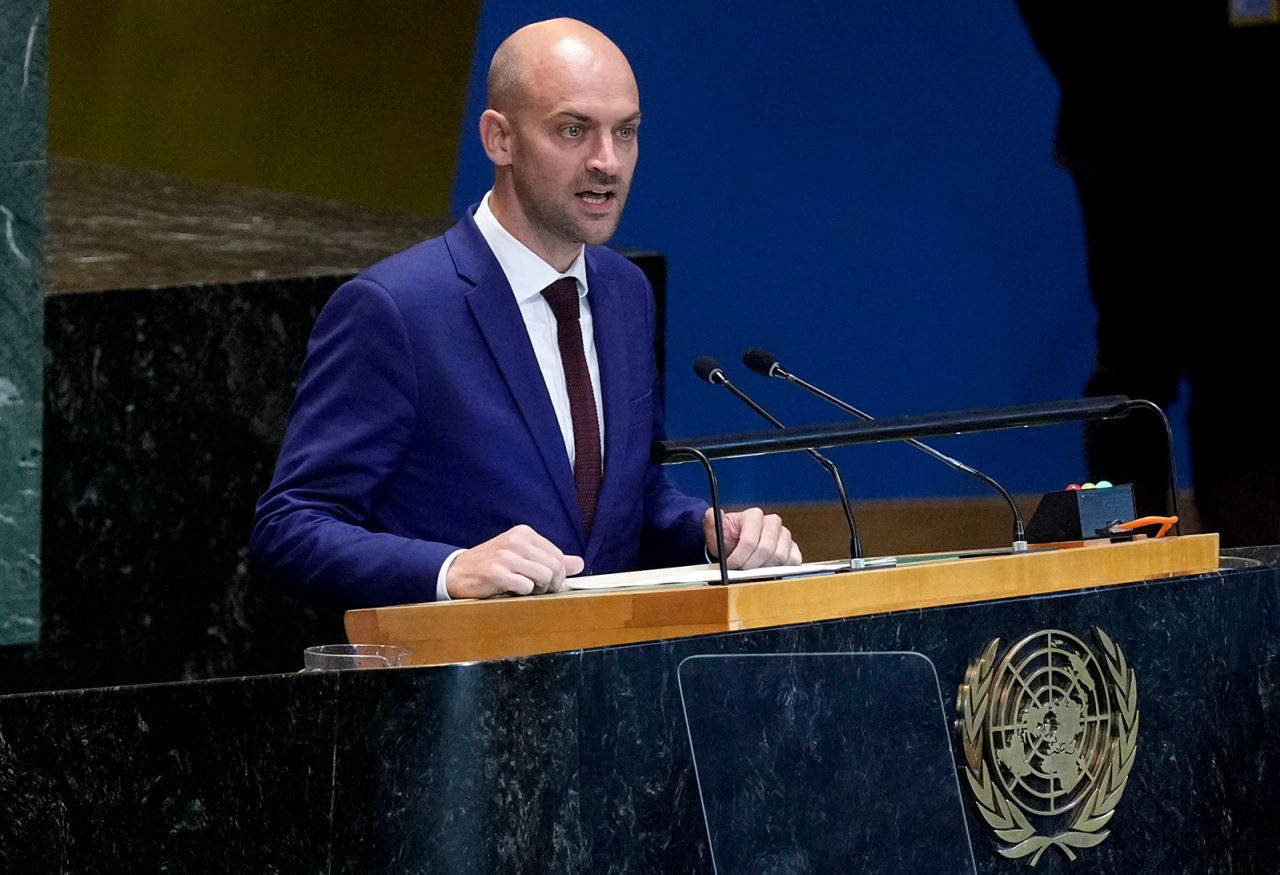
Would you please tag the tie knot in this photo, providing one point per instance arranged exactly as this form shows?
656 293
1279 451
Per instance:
562 295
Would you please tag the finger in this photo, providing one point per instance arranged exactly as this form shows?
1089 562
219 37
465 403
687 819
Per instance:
766 550
557 579
547 554
569 566
565 566
709 533
510 581
797 558
782 552
748 523
539 570
525 539
558 574
733 525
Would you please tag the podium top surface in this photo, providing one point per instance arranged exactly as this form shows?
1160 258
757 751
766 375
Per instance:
471 629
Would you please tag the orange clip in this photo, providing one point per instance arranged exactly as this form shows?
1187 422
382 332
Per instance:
1164 522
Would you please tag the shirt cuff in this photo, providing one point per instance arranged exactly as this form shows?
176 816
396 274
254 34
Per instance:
442 591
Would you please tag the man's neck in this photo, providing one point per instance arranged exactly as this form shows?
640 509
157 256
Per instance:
558 254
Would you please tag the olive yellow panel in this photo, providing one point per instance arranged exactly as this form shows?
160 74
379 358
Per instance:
358 102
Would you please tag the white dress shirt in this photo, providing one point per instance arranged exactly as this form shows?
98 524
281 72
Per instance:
528 275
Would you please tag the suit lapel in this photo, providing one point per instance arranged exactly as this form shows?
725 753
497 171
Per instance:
498 316
612 336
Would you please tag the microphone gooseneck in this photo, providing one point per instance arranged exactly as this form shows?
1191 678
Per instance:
766 364
709 369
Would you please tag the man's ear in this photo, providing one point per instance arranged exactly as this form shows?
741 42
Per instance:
495 136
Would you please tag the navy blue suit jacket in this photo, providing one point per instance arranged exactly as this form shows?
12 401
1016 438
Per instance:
422 424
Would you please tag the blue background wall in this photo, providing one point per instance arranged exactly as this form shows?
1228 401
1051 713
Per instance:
866 189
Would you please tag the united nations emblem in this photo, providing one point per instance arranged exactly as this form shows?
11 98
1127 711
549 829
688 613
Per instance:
1049 734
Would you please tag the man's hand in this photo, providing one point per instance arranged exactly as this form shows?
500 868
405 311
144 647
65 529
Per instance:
519 561
753 539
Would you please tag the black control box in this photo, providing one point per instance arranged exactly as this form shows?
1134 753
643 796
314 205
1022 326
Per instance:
1079 514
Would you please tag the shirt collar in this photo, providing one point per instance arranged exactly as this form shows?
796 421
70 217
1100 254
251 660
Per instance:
526 273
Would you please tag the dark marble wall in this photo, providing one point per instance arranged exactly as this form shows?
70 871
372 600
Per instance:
23 90
580 762
165 410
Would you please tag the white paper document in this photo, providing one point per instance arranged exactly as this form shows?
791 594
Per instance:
709 573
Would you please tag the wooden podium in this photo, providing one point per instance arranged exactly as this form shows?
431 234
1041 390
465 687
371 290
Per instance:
480 629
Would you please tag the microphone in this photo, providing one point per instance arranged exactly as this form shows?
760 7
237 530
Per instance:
709 369
766 363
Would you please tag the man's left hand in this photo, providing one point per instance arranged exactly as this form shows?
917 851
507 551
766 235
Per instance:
753 538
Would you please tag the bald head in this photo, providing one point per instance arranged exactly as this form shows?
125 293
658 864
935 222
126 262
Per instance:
542 52
561 131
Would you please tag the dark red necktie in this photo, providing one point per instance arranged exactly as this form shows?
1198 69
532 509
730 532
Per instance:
588 468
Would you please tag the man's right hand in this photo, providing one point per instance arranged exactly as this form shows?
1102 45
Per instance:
519 561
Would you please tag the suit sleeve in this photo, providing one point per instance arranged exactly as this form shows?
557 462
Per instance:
672 532
354 417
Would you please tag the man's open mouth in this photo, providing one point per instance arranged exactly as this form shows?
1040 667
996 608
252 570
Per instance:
595 197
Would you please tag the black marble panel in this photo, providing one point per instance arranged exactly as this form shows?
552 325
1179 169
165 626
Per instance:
164 413
637 778
429 762
231 776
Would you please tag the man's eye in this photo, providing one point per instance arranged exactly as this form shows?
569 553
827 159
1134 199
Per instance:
573 131
626 133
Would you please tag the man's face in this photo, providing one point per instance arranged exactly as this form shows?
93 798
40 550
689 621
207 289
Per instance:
574 148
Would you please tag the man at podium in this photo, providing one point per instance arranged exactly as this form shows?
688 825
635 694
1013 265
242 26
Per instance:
475 414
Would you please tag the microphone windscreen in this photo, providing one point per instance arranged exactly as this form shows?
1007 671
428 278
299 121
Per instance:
704 366
760 360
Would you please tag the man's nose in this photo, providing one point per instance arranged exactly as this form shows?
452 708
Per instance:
604 156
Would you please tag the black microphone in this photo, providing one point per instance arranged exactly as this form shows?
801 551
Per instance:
709 369
766 363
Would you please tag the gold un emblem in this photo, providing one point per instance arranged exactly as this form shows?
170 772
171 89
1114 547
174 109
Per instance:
1049 738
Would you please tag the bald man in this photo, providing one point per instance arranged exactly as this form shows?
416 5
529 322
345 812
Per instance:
476 413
